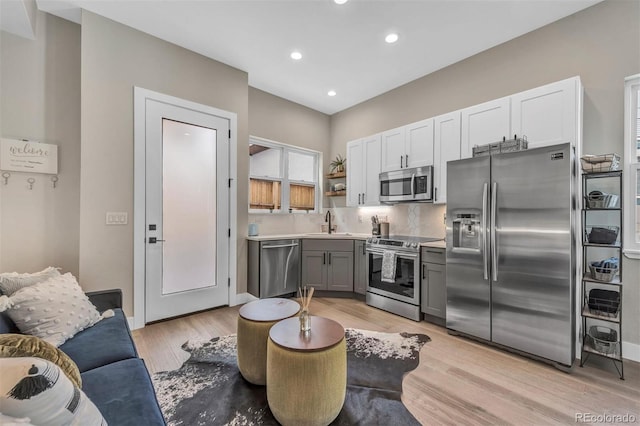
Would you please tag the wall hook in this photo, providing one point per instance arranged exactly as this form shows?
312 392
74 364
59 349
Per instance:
54 180
6 176
31 182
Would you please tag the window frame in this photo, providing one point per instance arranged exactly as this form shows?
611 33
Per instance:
631 247
284 180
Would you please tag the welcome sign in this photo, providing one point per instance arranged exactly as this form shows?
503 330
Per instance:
28 156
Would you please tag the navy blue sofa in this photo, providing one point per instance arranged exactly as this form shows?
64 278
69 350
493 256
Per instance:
114 377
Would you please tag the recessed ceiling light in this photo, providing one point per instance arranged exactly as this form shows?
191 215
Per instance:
187 134
296 56
340 1
391 38
331 93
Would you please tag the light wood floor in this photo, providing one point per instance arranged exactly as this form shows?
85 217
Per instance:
458 381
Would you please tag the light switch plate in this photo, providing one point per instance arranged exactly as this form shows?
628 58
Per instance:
117 218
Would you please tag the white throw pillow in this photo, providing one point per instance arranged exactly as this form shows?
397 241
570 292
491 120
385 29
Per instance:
10 282
54 310
36 388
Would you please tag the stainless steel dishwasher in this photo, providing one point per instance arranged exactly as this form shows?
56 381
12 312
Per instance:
274 267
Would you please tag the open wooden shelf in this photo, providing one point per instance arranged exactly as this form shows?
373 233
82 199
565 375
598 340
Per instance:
337 175
335 193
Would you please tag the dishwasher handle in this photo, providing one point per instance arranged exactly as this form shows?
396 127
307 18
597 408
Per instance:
281 246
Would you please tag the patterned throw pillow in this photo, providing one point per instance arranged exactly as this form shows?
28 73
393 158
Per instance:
37 389
10 282
54 310
22 345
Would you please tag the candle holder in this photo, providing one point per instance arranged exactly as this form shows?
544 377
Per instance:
305 316
305 321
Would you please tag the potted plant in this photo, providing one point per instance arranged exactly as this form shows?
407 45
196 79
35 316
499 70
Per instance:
337 165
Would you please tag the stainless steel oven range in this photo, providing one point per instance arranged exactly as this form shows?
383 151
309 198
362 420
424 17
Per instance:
399 292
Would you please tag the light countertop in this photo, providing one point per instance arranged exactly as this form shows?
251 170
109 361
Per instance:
334 236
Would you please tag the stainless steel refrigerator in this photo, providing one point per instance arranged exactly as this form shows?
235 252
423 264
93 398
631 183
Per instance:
511 250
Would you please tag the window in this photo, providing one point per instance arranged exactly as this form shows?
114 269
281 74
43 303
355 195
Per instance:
632 166
282 178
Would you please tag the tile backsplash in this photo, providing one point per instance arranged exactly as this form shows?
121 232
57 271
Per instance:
420 219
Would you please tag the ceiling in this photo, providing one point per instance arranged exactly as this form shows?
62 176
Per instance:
343 46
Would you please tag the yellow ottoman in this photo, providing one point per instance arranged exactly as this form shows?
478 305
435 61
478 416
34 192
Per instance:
306 373
254 321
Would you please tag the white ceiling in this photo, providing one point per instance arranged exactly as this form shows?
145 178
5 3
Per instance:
343 46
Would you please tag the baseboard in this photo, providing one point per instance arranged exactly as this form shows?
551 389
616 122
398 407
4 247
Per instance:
243 298
631 351
131 322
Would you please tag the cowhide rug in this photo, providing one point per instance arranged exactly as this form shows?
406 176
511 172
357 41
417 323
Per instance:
209 390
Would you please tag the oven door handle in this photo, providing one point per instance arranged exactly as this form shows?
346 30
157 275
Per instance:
398 254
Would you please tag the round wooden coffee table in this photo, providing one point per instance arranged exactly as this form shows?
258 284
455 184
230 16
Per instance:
255 319
306 372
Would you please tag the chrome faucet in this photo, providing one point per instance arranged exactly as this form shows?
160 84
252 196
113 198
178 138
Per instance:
327 218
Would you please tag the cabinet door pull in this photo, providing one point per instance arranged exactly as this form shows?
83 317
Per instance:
364 253
363 197
329 258
406 160
423 276
401 161
324 258
435 194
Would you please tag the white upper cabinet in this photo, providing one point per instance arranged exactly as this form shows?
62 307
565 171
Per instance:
371 174
363 169
485 123
548 115
419 144
408 146
393 151
355 166
446 148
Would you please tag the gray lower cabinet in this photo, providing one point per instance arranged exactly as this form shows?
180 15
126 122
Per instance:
433 282
360 268
327 264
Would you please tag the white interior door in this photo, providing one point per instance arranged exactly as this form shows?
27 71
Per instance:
187 216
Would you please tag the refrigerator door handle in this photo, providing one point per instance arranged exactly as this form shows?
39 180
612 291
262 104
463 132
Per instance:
494 251
485 241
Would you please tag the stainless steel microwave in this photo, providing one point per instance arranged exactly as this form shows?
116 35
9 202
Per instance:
407 185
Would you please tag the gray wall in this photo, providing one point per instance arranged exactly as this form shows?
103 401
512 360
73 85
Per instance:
40 86
600 44
278 119
115 58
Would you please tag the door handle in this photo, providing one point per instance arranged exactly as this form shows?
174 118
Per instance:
485 241
153 240
278 246
494 249
413 185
